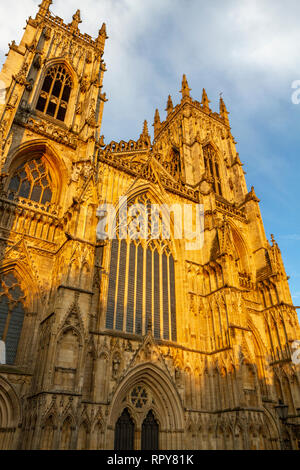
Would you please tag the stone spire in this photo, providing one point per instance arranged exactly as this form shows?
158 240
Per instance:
44 7
185 90
169 107
157 123
223 111
251 196
273 240
145 132
156 117
102 31
145 136
205 101
76 20
102 36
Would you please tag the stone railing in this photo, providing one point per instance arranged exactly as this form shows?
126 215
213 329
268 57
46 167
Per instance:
227 208
128 147
42 126
32 221
144 171
245 281
57 21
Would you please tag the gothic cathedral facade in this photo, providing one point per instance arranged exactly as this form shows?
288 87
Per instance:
131 343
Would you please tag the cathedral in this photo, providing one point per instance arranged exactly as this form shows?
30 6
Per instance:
132 343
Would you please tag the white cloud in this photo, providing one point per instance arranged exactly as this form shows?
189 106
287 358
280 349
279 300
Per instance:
247 49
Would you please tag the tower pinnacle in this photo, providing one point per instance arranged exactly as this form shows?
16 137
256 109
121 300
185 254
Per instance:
223 110
145 132
156 117
156 123
169 107
76 20
44 7
102 31
185 90
102 36
205 101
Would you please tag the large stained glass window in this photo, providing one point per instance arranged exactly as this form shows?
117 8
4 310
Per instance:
141 288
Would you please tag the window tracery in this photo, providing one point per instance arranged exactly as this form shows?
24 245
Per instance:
32 180
141 290
139 397
55 93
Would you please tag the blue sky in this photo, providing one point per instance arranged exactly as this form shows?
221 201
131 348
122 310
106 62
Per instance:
247 49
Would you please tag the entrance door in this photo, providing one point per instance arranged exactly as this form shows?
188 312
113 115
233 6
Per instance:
124 432
150 433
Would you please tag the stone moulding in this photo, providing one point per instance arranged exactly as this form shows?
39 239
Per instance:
136 170
57 21
48 130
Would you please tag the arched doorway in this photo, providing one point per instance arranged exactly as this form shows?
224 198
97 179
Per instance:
154 407
124 432
150 433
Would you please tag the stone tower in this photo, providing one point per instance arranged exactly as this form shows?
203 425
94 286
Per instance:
132 342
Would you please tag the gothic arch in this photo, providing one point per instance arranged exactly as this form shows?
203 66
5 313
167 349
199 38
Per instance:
10 413
97 435
72 318
67 430
209 141
213 166
287 392
271 428
167 404
83 437
259 352
241 246
68 357
75 84
61 60
85 275
74 273
133 262
156 198
48 432
25 300
29 285
38 148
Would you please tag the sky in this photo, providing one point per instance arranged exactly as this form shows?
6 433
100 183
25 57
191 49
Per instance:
246 49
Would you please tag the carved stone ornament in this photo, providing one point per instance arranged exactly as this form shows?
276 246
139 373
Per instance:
205 187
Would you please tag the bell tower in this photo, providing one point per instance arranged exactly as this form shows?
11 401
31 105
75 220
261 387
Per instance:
53 81
50 133
203 141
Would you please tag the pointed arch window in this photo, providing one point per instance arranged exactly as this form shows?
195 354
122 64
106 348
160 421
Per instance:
124 432
11 314
150 433
212 168
141 290
55 93
32 180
